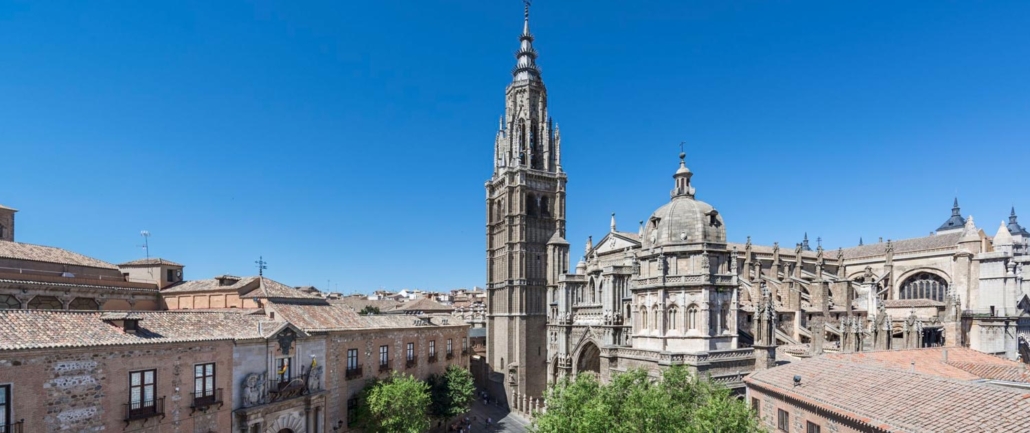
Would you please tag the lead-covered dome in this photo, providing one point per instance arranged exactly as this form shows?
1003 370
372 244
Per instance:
684 219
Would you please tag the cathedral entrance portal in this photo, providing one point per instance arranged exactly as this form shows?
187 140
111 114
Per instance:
589 359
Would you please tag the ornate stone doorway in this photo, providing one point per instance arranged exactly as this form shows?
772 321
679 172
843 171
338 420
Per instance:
589 359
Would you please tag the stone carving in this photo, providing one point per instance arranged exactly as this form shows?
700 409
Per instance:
286 339
254 389
315 378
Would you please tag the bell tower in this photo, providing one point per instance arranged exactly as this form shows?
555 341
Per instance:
525 209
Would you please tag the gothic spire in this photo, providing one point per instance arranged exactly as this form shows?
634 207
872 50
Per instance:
525 65
955 222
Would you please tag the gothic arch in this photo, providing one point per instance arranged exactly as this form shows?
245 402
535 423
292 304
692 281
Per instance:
905 275
923 285
588 357
693 315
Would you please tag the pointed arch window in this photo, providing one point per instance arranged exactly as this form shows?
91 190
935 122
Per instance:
692 313
673 318
724 317
924 285
643 319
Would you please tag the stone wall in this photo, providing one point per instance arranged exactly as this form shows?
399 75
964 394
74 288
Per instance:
85 390
769 405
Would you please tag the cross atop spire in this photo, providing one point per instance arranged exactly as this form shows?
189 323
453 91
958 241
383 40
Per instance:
261 265
525 65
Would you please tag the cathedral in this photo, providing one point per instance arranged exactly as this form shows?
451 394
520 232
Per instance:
675 291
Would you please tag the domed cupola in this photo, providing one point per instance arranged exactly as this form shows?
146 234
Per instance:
684 220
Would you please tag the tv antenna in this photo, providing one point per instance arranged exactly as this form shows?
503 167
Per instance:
146 242
261 265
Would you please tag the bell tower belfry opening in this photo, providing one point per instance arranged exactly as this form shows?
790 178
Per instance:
525 209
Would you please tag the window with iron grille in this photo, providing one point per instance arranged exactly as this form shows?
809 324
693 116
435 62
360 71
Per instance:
450 349
352 411
464 345
384 356
352 359
782 420
204 381
432 348
756 406
411 351
813 427
5 407
141 390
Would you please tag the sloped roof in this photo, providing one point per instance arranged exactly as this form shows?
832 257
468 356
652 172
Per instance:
34 329
898 400
339 317
8 208
149 262
208 285
962 363
269 288
359 303
925 243
40 253
423 304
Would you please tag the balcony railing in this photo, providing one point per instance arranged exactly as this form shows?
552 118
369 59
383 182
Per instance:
450 355
206 400
354 373
13 428
144 410
432 358
384 367
464 352
411 363
287 387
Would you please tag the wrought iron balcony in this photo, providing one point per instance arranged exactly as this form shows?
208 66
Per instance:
288 387
411 363
354 373
432 358
464 352
144 410
384 367
205 400
450 355
13 428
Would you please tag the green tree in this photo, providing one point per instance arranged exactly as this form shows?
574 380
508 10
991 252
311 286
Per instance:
452 393
633 402
369 309
398 404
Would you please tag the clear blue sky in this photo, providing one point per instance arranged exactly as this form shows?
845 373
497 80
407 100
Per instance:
349 140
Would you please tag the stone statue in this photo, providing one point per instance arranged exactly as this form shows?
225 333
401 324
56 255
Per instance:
254 389
315 378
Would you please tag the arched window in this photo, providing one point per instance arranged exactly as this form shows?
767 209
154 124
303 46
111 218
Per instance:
45 303
531 205
655 315
545 207
692 317
724 317
924 285
643 319
672 318
83 304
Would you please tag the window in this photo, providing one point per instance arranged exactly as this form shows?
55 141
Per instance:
83 304
352 411
45 303
5 407
204 382
141 392
8 302
782 420
411 351
283 369
384 356
924 285
756 407
3 231
352 359
672 319
170 274
465 345
813 427
692 317
432 349
450 350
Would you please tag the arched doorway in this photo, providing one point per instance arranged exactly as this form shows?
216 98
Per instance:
589 359
285 430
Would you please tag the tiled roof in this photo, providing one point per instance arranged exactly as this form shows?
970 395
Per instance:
209 285
932 242
337 317
897 400
150 262
424 304
962 363
911 303
273 289
51 281
33 329
359 303
40 253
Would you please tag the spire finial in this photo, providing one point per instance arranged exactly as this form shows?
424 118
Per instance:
613 222
683 154
528 3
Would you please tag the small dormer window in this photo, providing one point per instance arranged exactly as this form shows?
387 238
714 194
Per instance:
170 274
131 326
3 231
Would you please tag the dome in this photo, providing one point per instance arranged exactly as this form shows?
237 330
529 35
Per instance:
684 219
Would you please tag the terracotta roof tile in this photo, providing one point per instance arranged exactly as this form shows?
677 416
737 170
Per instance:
34 329
898 400
962 363
40 253
332 317
424 304
209 285
273 289
150 262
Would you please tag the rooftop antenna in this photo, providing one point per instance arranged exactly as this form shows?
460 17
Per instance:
146 248
261 265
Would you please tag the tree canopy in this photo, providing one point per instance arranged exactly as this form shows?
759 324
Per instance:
397 404
452 393
369 309
633 402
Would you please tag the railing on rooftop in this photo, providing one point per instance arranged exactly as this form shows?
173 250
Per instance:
144 410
